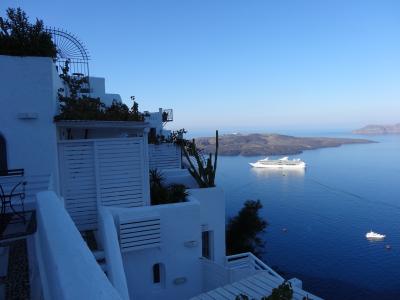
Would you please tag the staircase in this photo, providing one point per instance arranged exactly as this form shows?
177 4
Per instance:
90 239
101 260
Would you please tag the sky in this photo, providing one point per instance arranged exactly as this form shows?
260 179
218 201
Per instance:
249 64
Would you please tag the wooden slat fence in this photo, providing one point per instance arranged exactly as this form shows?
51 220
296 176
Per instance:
108 172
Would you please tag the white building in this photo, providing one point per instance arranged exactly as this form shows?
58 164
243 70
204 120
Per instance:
98 90
96 185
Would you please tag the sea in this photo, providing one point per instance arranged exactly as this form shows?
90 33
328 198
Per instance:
318 218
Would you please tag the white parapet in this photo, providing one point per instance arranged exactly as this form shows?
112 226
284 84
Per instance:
112 252
68 269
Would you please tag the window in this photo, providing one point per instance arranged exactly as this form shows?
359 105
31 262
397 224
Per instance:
156 273
159 275
207 244
3 153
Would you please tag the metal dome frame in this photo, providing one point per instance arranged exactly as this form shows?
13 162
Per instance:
71 49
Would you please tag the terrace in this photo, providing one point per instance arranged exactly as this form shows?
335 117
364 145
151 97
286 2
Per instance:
87 189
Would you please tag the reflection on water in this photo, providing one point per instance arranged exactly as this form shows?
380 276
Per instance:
327 210
269 172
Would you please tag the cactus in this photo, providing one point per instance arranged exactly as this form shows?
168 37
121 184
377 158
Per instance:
204 174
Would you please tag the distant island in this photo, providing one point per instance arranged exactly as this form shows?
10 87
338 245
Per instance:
270 144
379 129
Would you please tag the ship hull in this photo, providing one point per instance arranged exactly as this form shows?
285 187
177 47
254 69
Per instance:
271 166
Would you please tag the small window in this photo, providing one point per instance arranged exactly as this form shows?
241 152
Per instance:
3 153
159 275
207 244
156 273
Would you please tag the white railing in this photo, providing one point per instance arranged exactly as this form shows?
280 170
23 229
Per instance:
112 252
250 262
68 269
236 267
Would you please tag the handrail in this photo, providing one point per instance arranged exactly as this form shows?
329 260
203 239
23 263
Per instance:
249 259
112 252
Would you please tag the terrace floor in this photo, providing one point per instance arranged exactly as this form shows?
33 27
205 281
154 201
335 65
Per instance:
254 287
14 277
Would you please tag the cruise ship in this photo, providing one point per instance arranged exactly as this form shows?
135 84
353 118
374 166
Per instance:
283 162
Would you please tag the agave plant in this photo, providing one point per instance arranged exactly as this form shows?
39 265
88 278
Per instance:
163 194
203 171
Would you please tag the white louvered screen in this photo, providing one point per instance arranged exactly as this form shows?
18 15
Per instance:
109 172
78 183
121 169
164 156
139 233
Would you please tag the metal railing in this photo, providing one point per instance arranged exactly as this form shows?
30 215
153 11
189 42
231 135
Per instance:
167 115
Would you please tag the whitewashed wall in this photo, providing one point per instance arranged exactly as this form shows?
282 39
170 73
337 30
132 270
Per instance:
98 90
212 217
179 250
179 176
164 156
28 103
176 233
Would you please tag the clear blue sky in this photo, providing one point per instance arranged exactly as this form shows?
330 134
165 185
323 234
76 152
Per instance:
243 64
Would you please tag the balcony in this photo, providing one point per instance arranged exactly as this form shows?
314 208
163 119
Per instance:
167 115
244 274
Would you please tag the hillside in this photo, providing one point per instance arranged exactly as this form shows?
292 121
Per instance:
379 129
270 144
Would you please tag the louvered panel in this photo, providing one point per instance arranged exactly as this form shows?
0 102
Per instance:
110 172
120 169
79 183
164 156
139 233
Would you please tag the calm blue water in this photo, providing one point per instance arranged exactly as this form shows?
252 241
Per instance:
327 210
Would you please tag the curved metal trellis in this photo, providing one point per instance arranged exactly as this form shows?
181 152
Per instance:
70 48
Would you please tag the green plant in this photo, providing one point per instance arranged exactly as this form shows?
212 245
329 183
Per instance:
73 82
282 292
177 137
177 192
18 37
156 177
243 230
204 171
161 194
74 105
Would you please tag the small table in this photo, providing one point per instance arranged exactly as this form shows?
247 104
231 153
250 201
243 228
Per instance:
6 198
13 228
14 223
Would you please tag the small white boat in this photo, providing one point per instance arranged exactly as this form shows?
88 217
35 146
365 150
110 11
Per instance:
374 236
283 162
